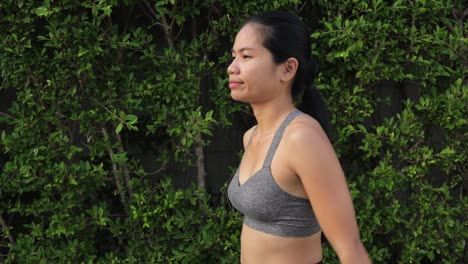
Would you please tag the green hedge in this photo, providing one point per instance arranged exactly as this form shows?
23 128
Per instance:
93 78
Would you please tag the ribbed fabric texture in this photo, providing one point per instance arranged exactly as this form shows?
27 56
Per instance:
266 207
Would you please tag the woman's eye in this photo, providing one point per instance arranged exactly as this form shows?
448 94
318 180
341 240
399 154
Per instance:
244 57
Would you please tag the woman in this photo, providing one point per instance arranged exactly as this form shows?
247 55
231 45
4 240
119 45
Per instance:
289 184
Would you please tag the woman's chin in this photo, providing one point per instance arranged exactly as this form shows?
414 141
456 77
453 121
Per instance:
236 97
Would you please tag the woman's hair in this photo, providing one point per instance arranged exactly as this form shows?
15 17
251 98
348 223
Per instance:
286 36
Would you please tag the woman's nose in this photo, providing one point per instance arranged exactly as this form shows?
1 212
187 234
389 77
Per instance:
232 68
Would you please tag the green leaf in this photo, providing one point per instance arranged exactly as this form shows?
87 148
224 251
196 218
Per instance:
341 54
42 11
119 128
315 35
131 118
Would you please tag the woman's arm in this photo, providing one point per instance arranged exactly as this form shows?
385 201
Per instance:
314 160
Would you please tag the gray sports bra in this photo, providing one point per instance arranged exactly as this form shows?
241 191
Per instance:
266 207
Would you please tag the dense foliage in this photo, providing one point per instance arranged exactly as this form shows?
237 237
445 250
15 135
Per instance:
96 82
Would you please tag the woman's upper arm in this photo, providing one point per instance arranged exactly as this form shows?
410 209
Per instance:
315 162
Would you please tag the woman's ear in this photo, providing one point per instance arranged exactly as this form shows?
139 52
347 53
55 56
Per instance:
289 69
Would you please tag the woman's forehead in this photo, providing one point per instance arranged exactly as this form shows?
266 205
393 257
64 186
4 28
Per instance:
248 38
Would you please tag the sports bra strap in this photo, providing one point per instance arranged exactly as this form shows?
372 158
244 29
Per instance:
251 135
277 138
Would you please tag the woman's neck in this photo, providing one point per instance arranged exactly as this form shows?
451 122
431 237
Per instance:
270 116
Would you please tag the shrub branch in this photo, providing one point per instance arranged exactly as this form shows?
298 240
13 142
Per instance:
6 230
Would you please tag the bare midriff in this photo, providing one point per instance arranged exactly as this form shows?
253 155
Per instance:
258 247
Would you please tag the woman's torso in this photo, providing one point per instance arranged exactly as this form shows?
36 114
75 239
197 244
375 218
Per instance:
261 247
258 248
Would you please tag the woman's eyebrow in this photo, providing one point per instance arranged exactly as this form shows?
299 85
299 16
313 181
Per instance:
242 49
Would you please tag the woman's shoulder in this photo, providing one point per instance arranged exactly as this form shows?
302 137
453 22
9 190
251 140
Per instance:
309 148
305 131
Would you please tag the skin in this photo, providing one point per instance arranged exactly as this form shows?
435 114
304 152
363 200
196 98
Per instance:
304 165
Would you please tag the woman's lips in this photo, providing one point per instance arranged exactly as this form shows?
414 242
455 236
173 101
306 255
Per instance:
234 84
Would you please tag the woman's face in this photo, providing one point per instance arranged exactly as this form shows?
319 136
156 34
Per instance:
253 76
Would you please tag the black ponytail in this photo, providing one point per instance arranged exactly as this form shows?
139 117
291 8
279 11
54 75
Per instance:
286 36
312 103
